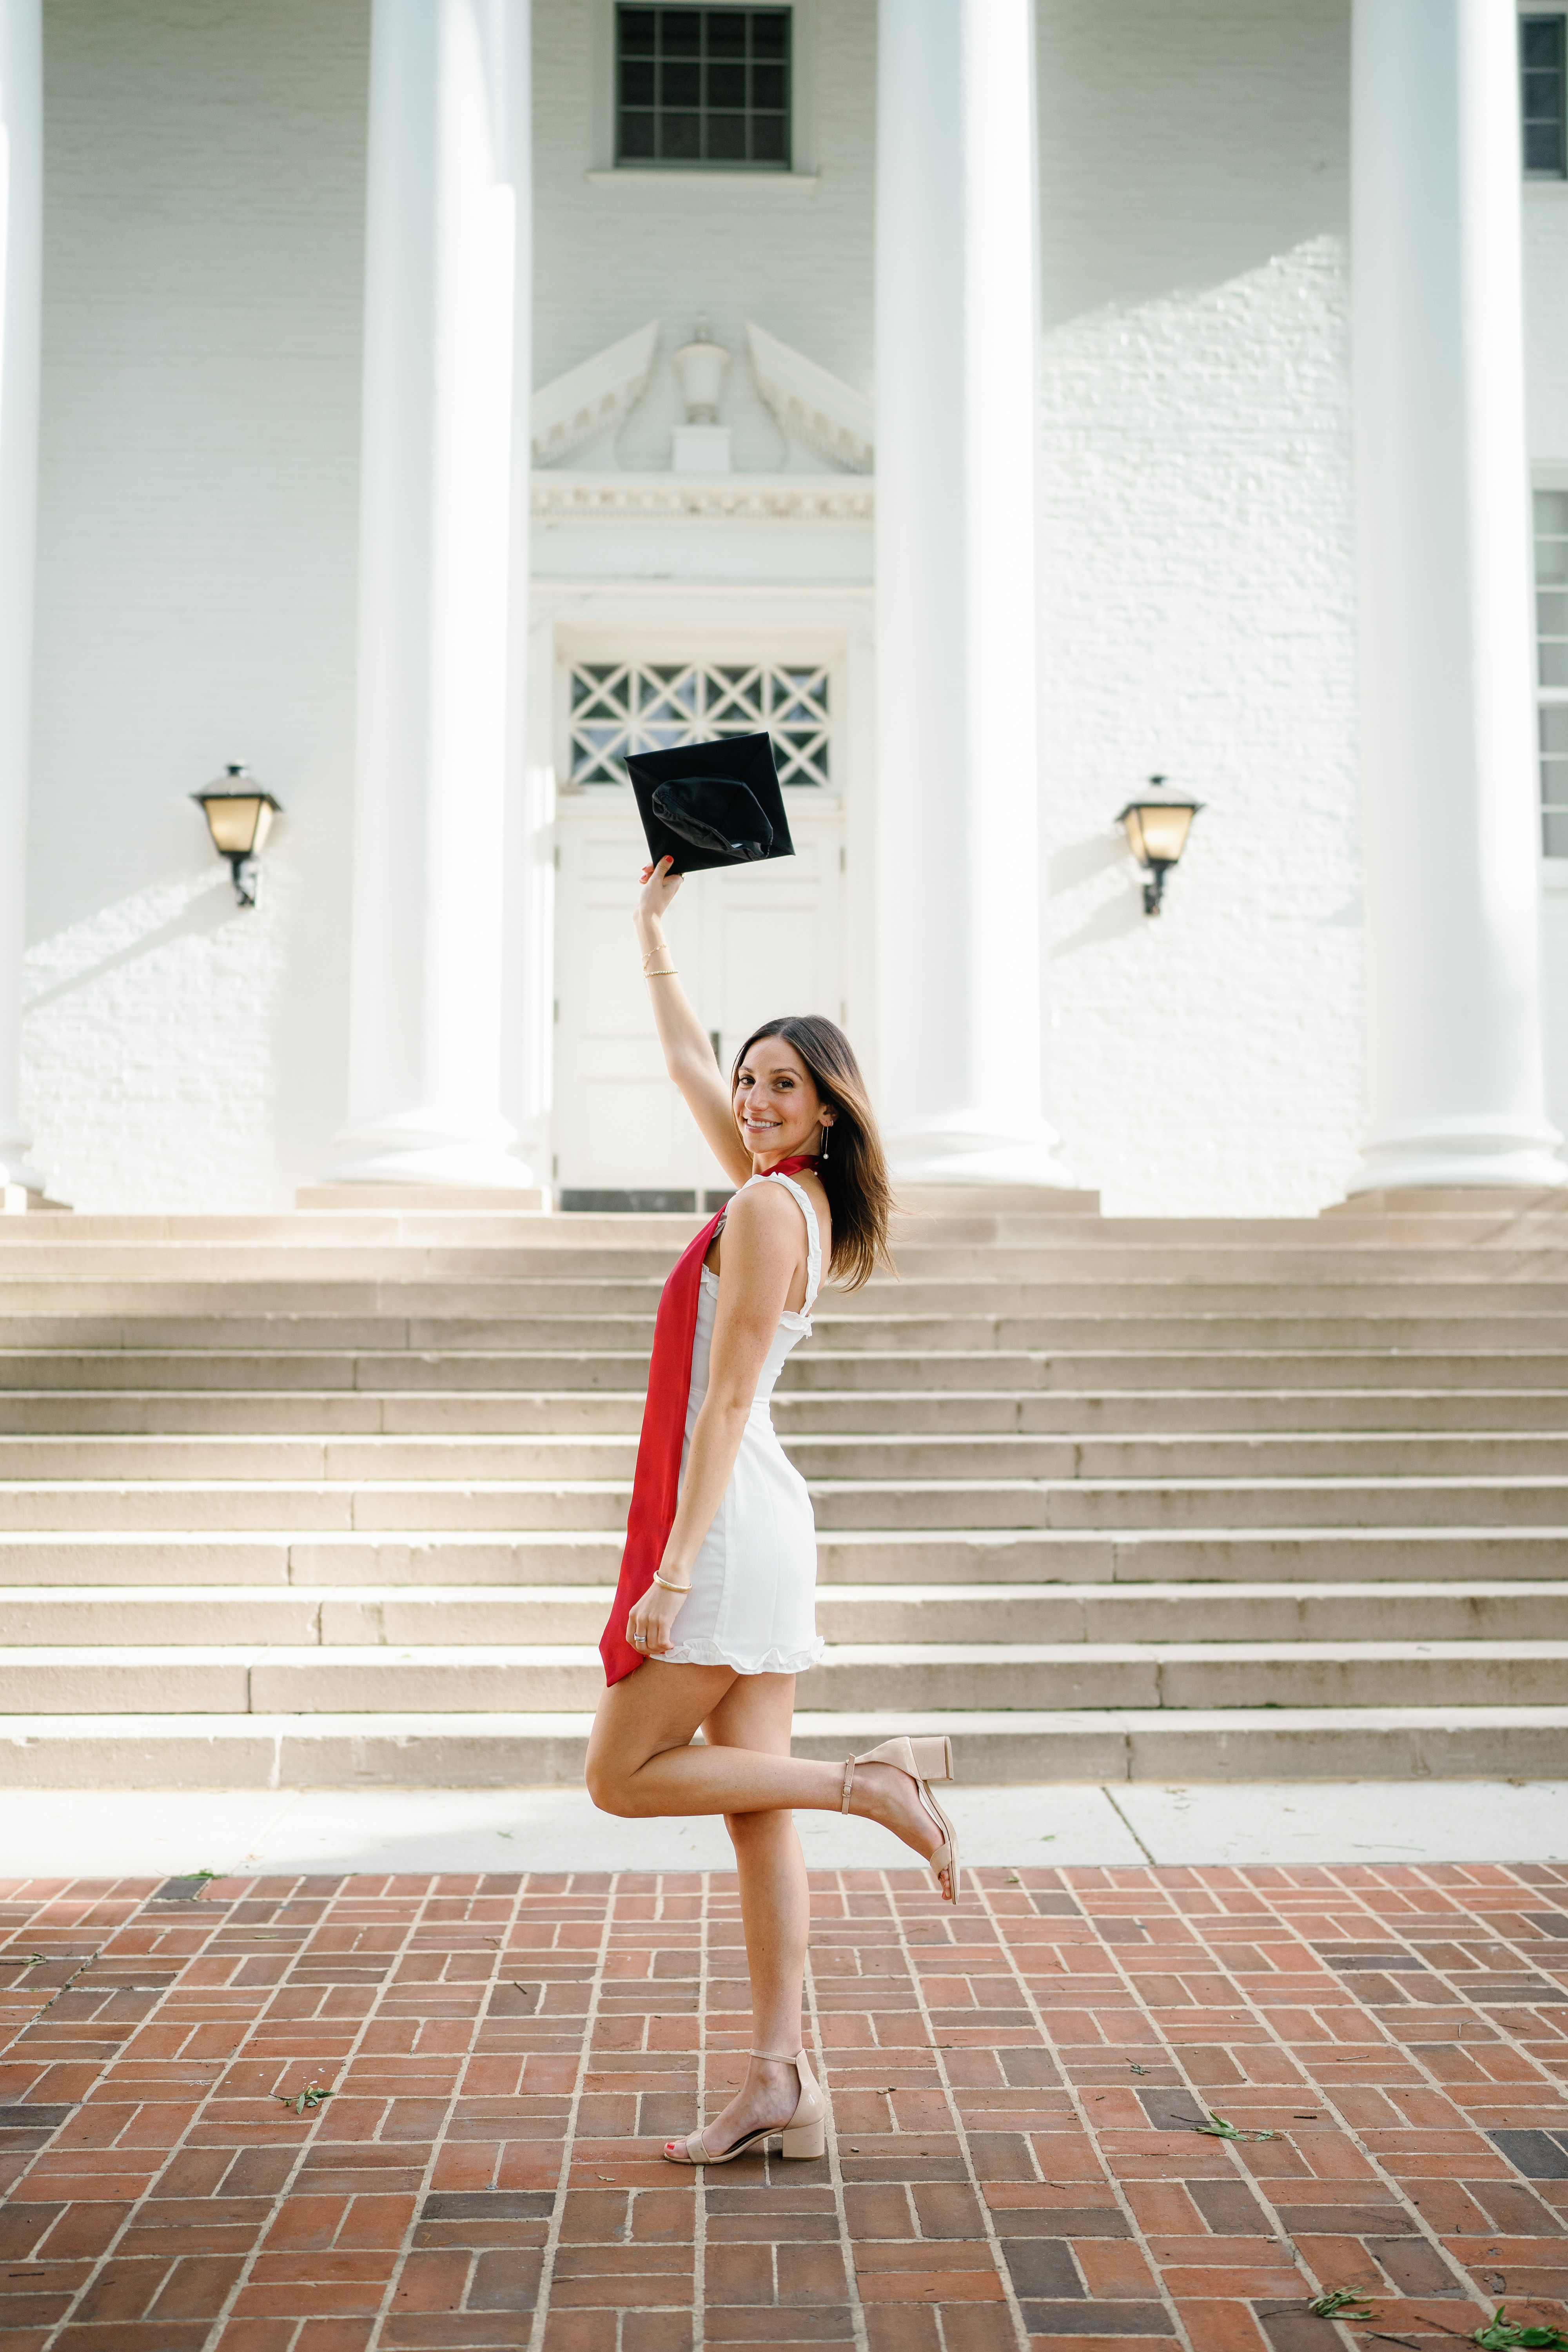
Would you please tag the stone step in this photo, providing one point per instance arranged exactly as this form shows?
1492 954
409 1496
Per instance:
990 1747
1073 1258
816 1370
902 1676
506 1299
1491 1329
326 1508
899 1413
482 1615
1299 1372
1003 1458
1189 1504
845 1557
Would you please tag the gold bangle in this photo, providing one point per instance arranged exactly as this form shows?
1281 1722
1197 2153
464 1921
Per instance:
667 1584
671 972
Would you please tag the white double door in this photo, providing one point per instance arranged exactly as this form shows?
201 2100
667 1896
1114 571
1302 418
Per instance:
751 942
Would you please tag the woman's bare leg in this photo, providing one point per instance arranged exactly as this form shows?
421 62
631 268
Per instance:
640 1761
775 1910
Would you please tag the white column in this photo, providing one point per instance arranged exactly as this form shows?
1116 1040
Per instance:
960 960
21 211
1455 1088
443 588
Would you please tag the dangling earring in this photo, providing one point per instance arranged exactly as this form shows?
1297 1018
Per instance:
827 1131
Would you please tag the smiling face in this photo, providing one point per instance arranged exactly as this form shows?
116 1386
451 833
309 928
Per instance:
777 1108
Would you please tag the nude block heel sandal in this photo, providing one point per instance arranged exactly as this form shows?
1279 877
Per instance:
806 2134
924 1761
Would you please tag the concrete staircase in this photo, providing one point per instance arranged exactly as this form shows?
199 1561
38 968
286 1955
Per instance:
337 1497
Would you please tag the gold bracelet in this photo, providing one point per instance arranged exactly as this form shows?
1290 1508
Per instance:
671 971
667 1584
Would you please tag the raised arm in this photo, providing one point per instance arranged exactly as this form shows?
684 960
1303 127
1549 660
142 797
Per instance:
687 1054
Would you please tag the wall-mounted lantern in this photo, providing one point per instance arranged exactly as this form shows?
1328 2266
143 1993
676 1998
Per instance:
1157 829
240 817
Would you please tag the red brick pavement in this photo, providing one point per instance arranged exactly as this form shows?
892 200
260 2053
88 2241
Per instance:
1015 2089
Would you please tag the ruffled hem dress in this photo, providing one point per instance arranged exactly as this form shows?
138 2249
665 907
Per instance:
752 1603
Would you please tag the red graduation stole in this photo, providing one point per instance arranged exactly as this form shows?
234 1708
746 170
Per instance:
655 1481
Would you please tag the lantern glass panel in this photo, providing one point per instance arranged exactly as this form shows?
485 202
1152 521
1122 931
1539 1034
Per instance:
1164 831
239 822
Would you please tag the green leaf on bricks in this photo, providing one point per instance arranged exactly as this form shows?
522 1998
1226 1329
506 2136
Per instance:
1342 2303
1501 2335
1217 2128
308 2099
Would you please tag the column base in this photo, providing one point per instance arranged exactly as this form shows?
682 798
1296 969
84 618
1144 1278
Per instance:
1461 1153
962 1149
418 1148
17 1173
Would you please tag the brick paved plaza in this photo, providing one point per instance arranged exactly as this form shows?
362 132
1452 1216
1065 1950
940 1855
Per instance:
1015 2090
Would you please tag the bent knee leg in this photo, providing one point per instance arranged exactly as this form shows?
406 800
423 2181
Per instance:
608 1782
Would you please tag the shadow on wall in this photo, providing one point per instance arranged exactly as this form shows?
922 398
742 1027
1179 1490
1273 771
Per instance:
1113 916
204 911
150 1054
1184 143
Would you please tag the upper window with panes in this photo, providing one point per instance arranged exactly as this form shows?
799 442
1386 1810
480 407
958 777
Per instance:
1552 666
702 88
1543 69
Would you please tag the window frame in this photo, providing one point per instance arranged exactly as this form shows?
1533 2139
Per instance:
800 172
704 116
1555 478
1535 174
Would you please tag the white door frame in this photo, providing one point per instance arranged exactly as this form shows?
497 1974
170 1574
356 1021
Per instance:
672 621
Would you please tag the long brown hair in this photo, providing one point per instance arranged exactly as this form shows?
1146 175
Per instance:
855 1174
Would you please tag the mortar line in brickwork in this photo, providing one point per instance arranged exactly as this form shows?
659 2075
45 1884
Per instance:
835 2168
1494 2027
84 1961
574 2108
1079 2108
1324 2098
226 2309
1409 2052
1005 2275
438 2137
1480 1925
197 2113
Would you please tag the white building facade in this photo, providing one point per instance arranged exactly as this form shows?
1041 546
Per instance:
427 401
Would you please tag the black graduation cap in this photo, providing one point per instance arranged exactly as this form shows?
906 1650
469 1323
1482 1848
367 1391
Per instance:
711 803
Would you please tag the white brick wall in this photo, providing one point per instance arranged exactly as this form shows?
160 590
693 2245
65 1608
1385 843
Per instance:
1199 622
202 211
1198 605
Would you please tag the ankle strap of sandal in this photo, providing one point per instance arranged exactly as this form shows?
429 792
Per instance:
775 2060
849 1762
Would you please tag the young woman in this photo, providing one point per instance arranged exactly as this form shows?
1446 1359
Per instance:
722 1607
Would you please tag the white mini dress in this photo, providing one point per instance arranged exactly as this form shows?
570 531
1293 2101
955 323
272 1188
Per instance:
752 1603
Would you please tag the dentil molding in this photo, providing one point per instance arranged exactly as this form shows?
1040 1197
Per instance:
785 498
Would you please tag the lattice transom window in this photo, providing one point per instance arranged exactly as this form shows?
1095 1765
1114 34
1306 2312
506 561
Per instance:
621 707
